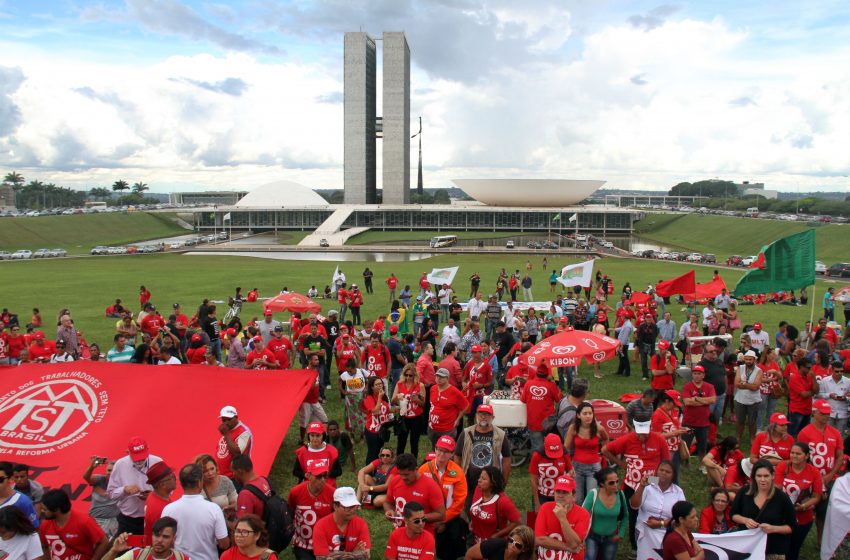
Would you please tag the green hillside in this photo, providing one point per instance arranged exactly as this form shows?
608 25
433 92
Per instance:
724 236
79 233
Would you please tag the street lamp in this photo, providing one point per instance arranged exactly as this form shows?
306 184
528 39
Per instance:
419 190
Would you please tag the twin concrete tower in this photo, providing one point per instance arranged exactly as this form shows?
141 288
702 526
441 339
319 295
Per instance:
363 126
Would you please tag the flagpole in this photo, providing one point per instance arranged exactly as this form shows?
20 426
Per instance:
812 314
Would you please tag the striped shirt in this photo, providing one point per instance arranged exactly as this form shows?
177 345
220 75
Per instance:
120 357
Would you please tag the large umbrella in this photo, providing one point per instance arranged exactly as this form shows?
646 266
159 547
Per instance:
842 295
293 302
569 347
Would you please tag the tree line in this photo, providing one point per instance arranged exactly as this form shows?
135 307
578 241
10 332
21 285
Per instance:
36 194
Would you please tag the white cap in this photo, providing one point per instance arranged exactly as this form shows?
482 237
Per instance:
750 354
345 496
642 427
228 412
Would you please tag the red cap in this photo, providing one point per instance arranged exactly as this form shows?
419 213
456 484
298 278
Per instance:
268 312
316 428
475 348
393 329
318 467
196 337
675 395
430 456
231 332
138 449
565 483
822 406
663 345
552 445
446 443
565 320
757 325
485 408
38 335
779 419
347 336
157 472
257 338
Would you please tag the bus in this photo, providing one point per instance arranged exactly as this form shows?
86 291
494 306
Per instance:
443 241
753 212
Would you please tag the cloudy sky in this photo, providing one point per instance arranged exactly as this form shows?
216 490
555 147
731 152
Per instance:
192 94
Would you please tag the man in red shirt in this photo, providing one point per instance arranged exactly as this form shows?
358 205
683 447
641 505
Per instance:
310 501
477 381
642 452
68 534
409 485
392 283
562 525
376 358
164 483
450 363
356 302
181 321
663 366
41 349
424 285
342 300
447 406
260 357
540 396
255 489
311 408
802 385
518 376
236 439
412 541
698 396
281 347
343 530
152 322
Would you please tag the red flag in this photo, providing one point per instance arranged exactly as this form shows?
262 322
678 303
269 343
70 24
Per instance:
759 262
684 284
708 290
55 417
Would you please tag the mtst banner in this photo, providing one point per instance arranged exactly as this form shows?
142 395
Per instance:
740 545
56 417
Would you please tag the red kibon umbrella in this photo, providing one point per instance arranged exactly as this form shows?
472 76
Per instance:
567 349
296 303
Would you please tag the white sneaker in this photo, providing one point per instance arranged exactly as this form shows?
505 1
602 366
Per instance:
702 470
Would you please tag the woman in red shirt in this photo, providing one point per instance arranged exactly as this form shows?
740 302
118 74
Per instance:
717 461
803 483
547 464
378 412
251 540
679 542
492 514
409 395
665 421
714 518
16 343
197 350
144 296
771 376
585 437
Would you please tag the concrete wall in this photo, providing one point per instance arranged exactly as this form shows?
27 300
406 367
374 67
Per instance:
396 115
360 101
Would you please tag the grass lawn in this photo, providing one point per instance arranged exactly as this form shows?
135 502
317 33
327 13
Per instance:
377 236
79 233
725 236
87 286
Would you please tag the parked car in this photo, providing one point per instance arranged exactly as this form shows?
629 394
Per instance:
534 245
550 245
607 245
747 261
820 267
694 257
22 254
838 269
709 258
649 254
734 260
5 255
510 244
324 243
99 250
41 253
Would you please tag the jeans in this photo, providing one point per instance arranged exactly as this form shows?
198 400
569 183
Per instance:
598 547
625 367
373 446
797 421
766 408
702 439
829 314
395 375
215 346
798 536
491 329
644 357
445 308
342 309
717 407
585 481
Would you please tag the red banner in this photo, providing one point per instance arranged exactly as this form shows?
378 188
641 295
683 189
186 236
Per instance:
55 417
684 284
708 290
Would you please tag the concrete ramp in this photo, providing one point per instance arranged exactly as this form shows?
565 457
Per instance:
329 229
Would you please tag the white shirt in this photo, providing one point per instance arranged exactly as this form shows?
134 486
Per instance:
747 396
828 385
200 524
172 361
446 296
659 503
476 307
124 473
707 313
22 547
759 340
59 358
450 334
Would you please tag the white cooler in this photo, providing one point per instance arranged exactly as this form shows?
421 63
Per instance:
509 413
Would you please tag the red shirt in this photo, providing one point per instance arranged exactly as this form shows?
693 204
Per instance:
674 544
657 363
153 511
486 518
247 502
515 373
222 453
341 296
455 371
763 445
327 537
697 416
374 421
477 373
800 486
280 348
254 356
735 476
796 384
75 541
642 458
307 510
547 525
731 458
152 323
425 369
392 282
41 352
423 283
662 423
181 319
540 396
144 297
446 406
548 470
307 456
402 547
424 490
16 344
412 408
356 298
822 445
376 360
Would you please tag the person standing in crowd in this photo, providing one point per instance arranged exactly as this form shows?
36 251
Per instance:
645 336
281 347
309 502
747 395
343 531
311 409
679 541
447 406
128 486
624 335
216 488
409 396
492 513
450 478
411 541
260 357
585 437
202 525
409 485
26 486
477 380
540 396
483 445
715 374
609 511
19 538
762 505
665 421
829 304
803 484
773 444
698 398
64 530
802 386
10 497
255 489
315 451
835 389
352 386
367 280
654 500
662 367
103 509
561 525
121 352
546 465
640 408
378 411
236 439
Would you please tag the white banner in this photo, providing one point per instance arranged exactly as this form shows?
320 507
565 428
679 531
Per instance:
338 279
749 544
577 274
440 276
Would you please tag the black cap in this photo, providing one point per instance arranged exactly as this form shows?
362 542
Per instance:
278 328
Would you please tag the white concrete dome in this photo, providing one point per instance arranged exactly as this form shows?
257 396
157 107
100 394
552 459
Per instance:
281 194
528 192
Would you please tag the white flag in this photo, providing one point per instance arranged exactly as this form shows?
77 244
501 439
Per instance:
577 274
749 544
338 278
441 276
226 217
574 217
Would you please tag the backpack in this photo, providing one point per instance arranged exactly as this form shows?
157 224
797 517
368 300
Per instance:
277 516
559 421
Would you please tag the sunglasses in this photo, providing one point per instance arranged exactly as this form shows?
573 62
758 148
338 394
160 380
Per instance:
417 521
516 544
408 375
385 455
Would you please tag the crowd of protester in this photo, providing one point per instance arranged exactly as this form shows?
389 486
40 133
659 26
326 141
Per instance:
423 374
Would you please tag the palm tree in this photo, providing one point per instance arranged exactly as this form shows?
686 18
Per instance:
120 185
37 188
100 193
140 187
14 178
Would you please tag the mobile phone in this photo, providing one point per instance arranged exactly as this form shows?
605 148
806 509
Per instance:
653 479
136 541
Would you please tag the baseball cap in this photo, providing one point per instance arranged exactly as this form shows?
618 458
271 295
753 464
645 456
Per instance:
442 372
430 456
779 419
552 445
278 328
175 305
345 496
675 395
138 449
318 467
38 335
698 368
333 312
418 298
445 442
485 409
393 329
316 428
564 320
157 472
475 348
822 406
196 337
757 325
642 427
231 332
267 312
663 345
228 412
257 338
346 336
565 483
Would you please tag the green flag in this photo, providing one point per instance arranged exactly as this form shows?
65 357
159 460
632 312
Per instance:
785 264
557 217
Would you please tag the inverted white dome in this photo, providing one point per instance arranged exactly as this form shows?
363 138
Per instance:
528 192
280 194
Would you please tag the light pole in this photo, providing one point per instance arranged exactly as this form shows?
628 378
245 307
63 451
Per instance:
419 190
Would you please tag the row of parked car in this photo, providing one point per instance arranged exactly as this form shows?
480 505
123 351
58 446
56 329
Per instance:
94 210
706 258
749 213
128 250
22 254
192 241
